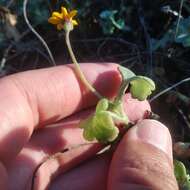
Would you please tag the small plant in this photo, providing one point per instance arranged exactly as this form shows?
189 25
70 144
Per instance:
102 124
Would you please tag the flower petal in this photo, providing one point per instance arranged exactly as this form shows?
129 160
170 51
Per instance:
54 20
72 13
64 12
57 14
60 26
75 23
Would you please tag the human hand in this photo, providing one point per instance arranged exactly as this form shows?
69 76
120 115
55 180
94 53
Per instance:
38 99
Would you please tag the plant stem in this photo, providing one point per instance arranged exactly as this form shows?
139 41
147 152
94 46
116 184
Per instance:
169 88
77 67
25 2
179 17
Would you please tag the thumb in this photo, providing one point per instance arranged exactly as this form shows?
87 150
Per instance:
143 159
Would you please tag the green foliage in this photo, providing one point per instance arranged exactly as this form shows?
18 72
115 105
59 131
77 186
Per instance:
102 124
109 22
181 175
126 74
114 18
140 87
182 36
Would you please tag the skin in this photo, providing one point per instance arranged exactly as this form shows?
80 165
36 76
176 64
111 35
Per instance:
39 114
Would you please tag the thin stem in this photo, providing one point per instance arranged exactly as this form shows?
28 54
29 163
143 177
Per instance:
179 17
168 89
36 33
77 67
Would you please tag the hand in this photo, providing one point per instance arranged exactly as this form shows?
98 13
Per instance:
31 104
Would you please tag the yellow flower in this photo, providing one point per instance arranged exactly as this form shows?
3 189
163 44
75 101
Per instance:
63 19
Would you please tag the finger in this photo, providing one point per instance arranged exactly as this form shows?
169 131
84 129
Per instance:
45 142
135 109
3 177
61 163
55 138
143 159
67 133
91 175
39 97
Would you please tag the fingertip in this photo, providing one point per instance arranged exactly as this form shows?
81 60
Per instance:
152 132
134 108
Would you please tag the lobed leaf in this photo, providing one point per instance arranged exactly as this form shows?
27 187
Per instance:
104 128
102 105
141 87
88 129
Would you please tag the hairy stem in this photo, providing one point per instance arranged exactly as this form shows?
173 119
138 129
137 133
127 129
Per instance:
77 67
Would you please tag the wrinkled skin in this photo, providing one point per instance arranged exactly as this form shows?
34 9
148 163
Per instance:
39 115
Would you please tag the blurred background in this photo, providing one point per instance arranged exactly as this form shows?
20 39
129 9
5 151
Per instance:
151 37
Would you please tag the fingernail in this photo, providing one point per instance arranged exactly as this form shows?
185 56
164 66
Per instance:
154 133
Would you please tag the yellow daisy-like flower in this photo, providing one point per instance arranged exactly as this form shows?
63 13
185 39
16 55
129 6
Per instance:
63 20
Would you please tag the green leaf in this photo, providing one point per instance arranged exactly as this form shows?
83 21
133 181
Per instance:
109 23
108 14
101 126
141 87
183 35
104 128
181 175
88 130
180 171
102 105
127 75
